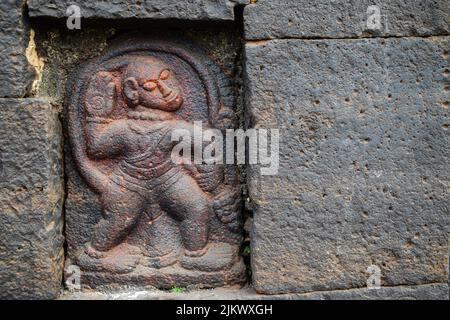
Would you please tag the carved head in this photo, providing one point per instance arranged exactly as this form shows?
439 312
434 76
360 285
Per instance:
148 82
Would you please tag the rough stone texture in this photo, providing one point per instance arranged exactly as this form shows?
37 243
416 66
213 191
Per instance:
421 292
16 75
209 10
31 194
364 169
268 19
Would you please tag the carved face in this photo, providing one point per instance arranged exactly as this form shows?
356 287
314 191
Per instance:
150 83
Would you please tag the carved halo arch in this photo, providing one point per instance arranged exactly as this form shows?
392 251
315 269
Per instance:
179 46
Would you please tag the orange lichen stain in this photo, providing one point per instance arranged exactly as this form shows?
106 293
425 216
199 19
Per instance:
255 43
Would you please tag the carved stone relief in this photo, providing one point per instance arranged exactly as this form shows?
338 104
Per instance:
162 223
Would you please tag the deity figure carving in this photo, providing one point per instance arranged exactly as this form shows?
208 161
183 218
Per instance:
161 223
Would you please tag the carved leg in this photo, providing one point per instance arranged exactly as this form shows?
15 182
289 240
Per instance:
121 210
187 203
105 252
191 206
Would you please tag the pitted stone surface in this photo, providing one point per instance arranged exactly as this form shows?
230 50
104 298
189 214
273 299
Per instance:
270 19
363 162
155 9
16 75
31 194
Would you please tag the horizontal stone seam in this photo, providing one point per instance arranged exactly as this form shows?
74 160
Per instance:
256 41
25 99
36 18
412 286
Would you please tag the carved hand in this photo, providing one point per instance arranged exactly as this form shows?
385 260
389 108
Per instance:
209 177
226 119
226 205
100 95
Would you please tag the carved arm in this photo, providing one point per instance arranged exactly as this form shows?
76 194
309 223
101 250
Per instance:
105 137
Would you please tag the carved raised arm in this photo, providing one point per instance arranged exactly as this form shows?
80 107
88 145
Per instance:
105 138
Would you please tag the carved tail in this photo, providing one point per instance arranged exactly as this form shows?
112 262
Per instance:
94 177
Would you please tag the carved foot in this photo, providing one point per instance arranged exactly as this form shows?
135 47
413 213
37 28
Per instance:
122 259
217 256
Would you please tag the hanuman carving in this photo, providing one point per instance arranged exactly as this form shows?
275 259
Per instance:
162 222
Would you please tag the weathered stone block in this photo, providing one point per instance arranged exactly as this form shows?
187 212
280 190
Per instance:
364 172
269 19
31 195
16 75
155 9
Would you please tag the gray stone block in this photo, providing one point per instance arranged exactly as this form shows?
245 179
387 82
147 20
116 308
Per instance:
31 196
437 291
212 10
16 76
269 19
364 171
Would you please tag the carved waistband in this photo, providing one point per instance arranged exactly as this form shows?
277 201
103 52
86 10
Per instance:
143 186
146 173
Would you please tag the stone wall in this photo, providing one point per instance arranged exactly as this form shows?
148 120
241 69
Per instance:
362 162
361 102
363 177
31 176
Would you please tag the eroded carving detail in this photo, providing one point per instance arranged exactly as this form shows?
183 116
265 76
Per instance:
162 223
